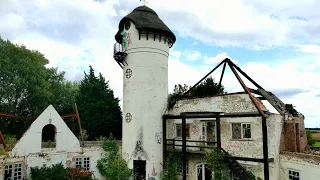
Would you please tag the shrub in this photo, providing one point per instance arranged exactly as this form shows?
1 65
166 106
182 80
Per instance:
58 171
311 141
172 162
112 165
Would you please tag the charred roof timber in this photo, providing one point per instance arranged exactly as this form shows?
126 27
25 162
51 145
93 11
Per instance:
146 19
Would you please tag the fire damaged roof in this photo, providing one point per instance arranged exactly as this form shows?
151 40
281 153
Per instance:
145 18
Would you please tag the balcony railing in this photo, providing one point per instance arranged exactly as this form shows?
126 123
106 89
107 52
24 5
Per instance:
191 145
119 55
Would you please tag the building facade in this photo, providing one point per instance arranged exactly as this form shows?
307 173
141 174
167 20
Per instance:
30 151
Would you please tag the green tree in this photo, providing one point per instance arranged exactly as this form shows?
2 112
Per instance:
215 162
112 165
58 171
311 141
27 87
206 88
99 109
172 162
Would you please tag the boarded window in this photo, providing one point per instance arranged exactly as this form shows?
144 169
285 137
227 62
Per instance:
241 130
179 130
236 131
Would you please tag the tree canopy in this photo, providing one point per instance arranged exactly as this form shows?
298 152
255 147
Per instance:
206 88
99 109
27 87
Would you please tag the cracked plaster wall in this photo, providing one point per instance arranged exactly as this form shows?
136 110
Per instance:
28 149
308 165
50 157
235 103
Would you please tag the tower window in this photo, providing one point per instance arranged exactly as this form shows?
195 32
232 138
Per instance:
128 73
128 117
127 25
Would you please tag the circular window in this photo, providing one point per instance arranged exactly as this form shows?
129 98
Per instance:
128 73
128 117
127 25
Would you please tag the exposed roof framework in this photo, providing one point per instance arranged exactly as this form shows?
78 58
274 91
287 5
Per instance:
281 107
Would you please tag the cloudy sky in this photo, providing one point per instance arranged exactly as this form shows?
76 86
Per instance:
277 43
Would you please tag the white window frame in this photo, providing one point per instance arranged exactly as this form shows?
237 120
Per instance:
242 130
202 168
180 170
296 171
83 161
14 170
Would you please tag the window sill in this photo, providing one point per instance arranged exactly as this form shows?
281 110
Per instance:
241 139
180 138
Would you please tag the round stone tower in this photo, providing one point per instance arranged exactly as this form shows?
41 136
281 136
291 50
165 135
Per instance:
142 50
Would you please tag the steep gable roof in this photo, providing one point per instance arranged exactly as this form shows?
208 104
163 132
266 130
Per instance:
31 140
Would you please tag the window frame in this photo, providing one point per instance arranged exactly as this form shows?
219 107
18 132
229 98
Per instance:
241 130
187 132
14 167
180 170
83 161
294 170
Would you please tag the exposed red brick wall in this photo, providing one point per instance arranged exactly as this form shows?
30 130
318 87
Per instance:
303 138
293 136
290 137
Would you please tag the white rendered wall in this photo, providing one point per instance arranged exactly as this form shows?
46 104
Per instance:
31 140
145 98
50 157
232 103
307 165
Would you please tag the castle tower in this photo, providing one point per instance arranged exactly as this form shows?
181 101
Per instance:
142 50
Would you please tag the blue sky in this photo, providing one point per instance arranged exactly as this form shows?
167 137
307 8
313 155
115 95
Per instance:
276 43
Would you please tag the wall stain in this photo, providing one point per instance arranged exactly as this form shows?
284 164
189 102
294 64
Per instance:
138 151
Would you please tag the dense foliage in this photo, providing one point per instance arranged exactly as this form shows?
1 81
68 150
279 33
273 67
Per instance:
100 110
311 141
172 162
58 171
27 87
112 165
206 88
215 162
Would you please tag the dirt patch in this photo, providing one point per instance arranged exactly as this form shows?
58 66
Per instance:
316 136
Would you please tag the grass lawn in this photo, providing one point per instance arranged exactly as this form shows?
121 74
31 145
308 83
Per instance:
317 144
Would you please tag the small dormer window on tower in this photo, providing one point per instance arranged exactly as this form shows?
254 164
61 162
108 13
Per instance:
127 25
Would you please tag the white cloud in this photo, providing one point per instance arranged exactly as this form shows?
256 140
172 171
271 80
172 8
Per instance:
218 58
192 55
73 34
310 48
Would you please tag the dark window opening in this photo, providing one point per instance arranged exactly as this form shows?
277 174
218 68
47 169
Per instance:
139 169
179 130
49 136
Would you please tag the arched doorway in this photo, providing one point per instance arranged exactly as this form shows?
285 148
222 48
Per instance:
203 173
49 136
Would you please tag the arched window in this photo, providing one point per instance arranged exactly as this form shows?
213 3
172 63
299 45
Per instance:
203 173
49 136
